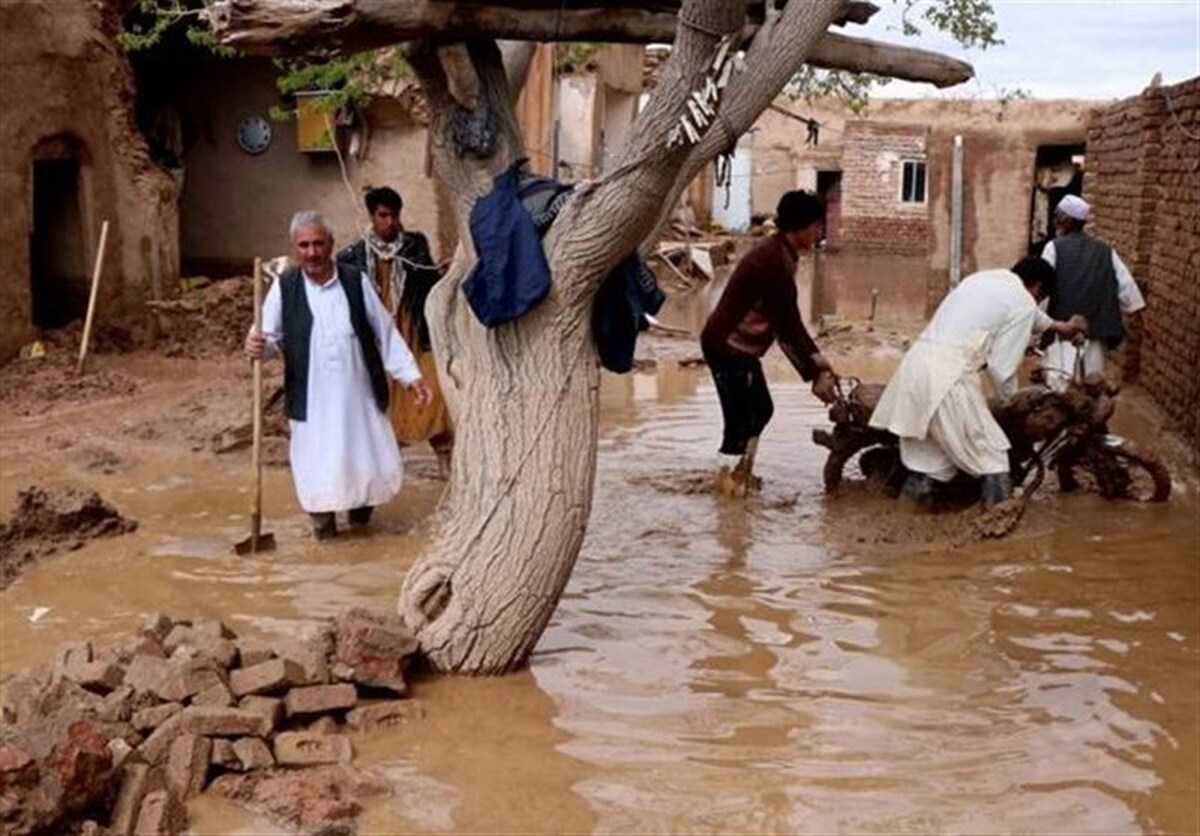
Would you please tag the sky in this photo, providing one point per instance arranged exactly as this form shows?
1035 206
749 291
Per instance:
1086 49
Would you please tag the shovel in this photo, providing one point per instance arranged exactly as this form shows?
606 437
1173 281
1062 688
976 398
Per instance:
259 540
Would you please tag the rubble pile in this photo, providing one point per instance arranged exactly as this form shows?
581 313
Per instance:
29 386
208 322
116 741
46 522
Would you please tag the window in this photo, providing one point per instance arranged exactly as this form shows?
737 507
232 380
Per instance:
912 182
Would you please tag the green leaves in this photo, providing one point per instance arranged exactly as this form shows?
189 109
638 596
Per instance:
149 20
970 22
852 89
342 82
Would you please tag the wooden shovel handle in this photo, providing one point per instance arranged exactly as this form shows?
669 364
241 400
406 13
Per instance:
97 268
257 417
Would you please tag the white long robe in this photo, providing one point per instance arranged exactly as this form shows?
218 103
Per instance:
935 402
1062 355
344 455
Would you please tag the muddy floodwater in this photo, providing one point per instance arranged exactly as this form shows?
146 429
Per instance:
790 663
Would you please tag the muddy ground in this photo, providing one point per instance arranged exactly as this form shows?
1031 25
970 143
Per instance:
773 664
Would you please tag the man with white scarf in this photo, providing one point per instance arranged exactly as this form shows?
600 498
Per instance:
1092 282
399 264
935 401
340 346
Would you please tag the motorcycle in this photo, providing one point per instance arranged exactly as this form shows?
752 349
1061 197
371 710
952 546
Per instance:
1066 432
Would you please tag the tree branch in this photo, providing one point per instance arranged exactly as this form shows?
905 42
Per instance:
650 175
517 56
289 26
862 55
267 26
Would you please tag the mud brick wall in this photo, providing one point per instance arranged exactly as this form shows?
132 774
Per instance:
1143 158
873 216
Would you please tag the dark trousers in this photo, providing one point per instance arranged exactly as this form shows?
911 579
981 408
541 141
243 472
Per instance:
745 400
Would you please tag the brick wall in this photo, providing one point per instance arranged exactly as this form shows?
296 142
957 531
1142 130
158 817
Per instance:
1143 181
873 215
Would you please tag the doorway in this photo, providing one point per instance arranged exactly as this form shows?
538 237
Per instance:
57 249
829 187
1057 172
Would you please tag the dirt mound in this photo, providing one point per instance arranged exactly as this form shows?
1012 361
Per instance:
46 522
208 322
105 339
28 386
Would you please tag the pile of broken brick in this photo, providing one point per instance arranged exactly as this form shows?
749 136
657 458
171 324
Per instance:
116 741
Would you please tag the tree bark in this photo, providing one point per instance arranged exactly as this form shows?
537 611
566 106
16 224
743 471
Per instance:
525 403
273 26
524 396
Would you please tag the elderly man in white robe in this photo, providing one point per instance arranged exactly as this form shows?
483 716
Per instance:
339 345
1092 281
935 401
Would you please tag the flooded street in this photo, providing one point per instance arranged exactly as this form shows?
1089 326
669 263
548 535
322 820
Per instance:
771 665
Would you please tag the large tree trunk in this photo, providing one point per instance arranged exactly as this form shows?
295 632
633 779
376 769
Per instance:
524 396
525 404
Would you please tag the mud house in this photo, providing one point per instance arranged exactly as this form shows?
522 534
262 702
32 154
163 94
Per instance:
1143 183
243 171
598 99
886 174
72 158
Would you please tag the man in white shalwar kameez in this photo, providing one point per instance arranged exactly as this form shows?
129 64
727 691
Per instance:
935 401
338 342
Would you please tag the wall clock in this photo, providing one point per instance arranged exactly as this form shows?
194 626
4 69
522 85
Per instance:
254 134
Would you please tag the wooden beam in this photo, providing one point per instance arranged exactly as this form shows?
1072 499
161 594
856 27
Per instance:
862 55
253 25
274 27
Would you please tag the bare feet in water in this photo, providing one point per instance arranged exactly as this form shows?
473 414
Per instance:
735 483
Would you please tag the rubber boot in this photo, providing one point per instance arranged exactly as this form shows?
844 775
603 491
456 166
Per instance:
994 489
324 525
359 516
918 489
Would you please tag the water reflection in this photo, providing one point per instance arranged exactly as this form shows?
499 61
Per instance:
721 666
741 675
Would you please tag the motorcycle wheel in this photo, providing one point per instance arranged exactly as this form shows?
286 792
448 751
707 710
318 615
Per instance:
1119 470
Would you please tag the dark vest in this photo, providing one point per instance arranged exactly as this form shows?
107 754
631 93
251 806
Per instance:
297 334
1087 284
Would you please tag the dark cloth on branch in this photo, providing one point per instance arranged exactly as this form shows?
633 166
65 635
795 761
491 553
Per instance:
511 275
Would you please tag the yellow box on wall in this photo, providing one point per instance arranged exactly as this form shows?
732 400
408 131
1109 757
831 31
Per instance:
315 124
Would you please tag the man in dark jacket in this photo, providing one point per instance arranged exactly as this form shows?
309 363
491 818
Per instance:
401 269
1092 282
758 307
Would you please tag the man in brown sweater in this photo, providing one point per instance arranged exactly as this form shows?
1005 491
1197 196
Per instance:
759 306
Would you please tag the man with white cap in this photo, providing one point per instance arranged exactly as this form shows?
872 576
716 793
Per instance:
1092 282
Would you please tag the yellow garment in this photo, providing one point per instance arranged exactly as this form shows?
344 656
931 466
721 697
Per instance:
412 426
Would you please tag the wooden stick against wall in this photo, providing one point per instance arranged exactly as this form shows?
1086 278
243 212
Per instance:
91 311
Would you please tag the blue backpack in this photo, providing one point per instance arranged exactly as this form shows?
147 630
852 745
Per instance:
511 275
